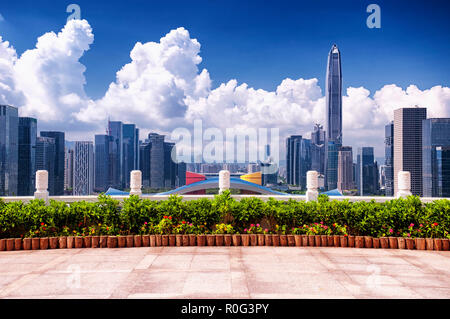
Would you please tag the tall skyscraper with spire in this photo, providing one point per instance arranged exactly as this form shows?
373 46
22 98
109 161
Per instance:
333 93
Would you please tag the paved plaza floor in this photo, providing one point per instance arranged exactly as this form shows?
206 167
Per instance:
225 272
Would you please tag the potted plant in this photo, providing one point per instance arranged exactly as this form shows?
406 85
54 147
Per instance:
17 243
145 231
236 239
95 236
393 241
223 234
10 244
210 239
62 238
446 241
26 243
297 231
281 231
431 231
359 241
267 237
3 244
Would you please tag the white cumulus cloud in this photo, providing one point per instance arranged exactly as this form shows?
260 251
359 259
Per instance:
163 87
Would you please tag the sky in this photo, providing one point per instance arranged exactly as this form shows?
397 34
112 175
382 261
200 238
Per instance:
241 64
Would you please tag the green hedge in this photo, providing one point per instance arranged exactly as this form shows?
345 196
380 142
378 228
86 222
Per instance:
399 217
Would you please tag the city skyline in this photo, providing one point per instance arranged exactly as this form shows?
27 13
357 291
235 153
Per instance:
171 78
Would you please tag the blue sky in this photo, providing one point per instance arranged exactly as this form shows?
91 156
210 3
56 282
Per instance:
257 42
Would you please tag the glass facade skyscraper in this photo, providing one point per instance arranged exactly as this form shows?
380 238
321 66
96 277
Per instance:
130 151
45 158
389 159
83 171
298 160
104 156
27 156
57 188
333 94
435 140
115 129
9 131
366 172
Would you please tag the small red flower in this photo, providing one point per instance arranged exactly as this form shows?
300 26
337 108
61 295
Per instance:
170 217
42 224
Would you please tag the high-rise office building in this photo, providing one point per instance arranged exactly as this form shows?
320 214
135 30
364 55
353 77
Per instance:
27 156
181 174
130 151
156 160
83 171
68 171
318 149
45 158
333 93
442 171
389 159
435 138
170 167
9 138
115 129
367 172
58 165
298 160
408 146
144 162
345 168
104 162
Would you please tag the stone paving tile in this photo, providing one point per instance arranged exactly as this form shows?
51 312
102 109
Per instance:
225 272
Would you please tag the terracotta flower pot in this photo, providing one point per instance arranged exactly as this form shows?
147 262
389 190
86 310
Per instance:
137 240
153 240
185 240
87 241
179 240
291 240
192 240
351 241
103 242
268 239
78 242
393 242
172 240
330 241
275 240
410 243
298 240
336 240
401 243
283 240
304 240
95 242
164 240
245 240
62 242
3 244
10 244
359 241
70 241
317 241
376 242
130 241
368 242
384 242
121 241
219 239
437 244
112 242
211 240
158 240
145 240
420 243
429 243
53 242
260 239
227 240
253 240
26 244
236 239
323 240
35 243
311 240
344 241
445 244
43 243
201 240
17 243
